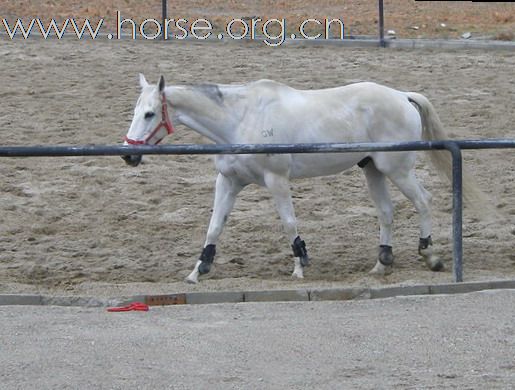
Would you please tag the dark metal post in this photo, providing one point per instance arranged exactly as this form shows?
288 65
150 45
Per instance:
165 15
381 24
457 210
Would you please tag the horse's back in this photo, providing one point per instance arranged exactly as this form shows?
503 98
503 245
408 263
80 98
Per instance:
359 112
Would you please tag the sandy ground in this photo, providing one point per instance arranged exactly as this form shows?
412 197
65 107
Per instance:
438 342
81 224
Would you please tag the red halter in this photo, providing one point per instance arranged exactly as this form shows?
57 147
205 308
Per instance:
165 123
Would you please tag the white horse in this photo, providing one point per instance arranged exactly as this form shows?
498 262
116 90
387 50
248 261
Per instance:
269 112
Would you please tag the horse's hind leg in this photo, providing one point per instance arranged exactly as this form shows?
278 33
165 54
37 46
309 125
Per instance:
378 190
279 187
226 190
421 199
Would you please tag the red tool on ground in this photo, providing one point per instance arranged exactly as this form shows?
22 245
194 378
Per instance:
134 306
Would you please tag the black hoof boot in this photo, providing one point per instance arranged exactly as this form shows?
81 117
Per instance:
386 255
207 257
299 250
304 261
204 268
423 245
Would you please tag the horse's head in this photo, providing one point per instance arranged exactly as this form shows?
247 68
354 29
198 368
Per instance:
151 122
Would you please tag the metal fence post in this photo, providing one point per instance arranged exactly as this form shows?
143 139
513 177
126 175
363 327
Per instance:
165 15
381 24
457 210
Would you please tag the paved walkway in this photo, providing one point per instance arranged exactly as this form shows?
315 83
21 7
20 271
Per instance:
462 341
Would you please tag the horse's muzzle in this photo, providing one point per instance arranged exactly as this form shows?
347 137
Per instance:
132 160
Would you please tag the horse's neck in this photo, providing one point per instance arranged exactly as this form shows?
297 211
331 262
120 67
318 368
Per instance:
210 110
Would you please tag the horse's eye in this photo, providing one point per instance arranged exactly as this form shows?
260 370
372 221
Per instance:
149 115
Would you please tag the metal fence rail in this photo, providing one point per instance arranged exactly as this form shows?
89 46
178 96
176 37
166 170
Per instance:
453 146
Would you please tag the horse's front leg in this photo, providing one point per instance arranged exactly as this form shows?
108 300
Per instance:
227 188
279 187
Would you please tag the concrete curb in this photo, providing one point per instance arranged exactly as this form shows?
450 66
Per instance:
355 41
299 295
444 44
448 44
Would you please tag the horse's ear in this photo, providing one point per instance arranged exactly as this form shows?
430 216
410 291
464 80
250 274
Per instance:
142 81
161 84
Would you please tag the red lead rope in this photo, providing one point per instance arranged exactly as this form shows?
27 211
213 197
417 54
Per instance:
165 122
134 306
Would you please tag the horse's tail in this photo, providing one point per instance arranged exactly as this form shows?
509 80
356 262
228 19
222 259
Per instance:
432 129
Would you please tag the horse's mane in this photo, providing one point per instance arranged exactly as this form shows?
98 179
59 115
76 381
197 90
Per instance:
211 91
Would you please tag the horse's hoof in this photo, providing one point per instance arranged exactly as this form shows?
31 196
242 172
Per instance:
435 264
191 280
204 268
381 270
298 274
298 269
386 255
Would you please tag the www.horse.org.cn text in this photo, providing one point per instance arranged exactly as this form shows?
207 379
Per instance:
272 32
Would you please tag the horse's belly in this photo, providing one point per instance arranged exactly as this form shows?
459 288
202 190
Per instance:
322 164
247 168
